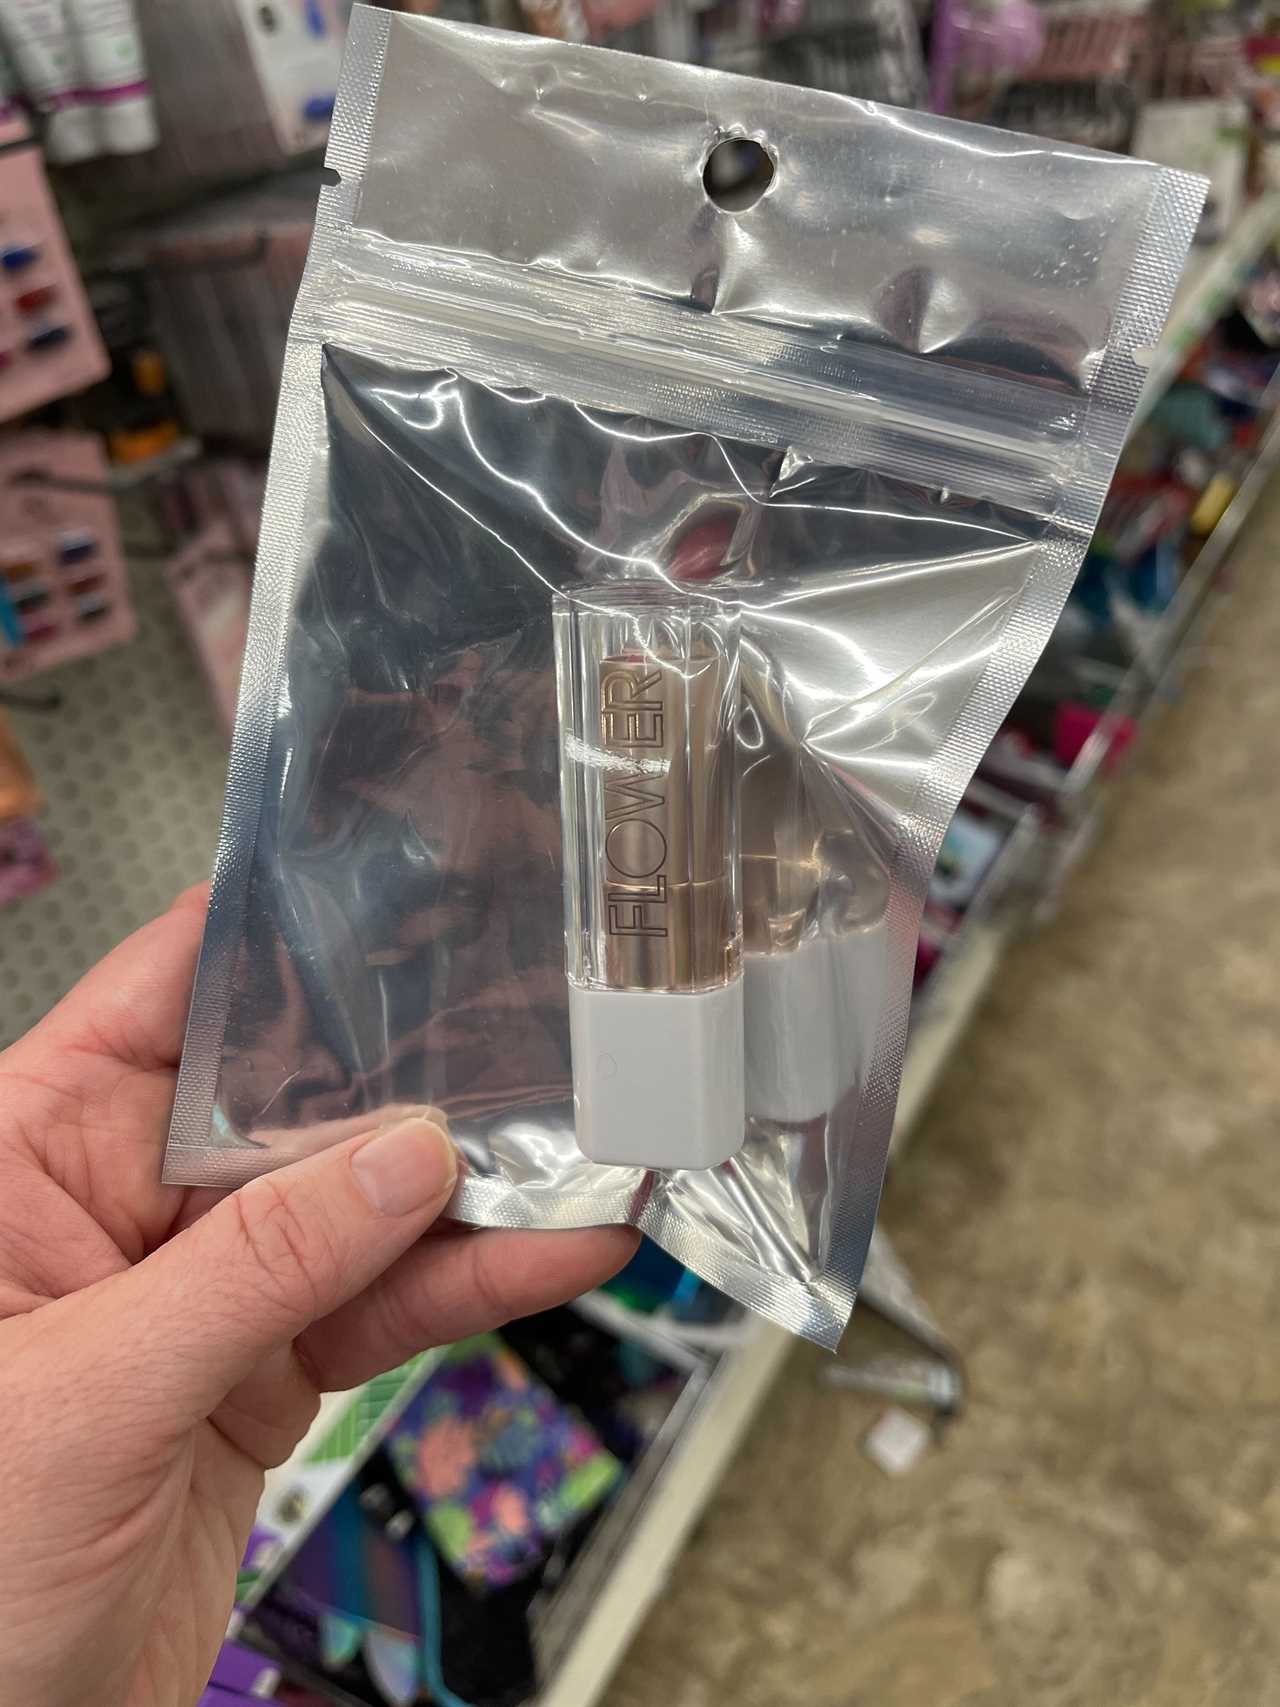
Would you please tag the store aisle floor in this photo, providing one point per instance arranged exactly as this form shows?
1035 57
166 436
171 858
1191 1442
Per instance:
1092 1208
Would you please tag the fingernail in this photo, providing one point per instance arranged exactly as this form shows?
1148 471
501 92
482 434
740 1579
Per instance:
407 1167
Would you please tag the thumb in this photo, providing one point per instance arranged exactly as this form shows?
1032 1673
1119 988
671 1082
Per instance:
198 1314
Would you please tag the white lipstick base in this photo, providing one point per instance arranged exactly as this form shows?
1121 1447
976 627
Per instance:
801 1010
657 1076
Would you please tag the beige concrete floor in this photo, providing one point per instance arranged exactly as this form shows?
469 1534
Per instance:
1092 1207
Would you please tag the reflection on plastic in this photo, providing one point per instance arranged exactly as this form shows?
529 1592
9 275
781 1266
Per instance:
833 520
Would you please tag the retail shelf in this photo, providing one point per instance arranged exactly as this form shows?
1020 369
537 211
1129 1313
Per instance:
687 1346
129 476
1151 680
1211 279
625 1566
962 977
347 1430
1139 689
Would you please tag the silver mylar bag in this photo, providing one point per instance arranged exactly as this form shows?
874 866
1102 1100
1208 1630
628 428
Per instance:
863 427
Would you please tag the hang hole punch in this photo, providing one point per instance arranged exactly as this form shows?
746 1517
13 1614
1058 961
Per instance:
739 170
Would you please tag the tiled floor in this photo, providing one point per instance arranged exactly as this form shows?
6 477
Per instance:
132 765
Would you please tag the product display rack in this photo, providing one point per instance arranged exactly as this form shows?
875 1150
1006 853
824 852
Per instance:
1153 678
943 1010
1209 282
626 1565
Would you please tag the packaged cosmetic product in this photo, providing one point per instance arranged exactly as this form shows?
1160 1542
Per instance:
296 47
37 36
224 277
114 75
655 538
648 707
236 88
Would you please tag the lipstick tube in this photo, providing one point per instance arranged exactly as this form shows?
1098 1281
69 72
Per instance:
813 944
647 682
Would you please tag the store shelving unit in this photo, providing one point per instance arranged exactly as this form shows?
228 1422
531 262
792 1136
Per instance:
961 979
627 1562
1209 283
1152 679
347 1430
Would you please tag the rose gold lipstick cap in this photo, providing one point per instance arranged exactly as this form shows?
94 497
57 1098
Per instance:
647 683
648 686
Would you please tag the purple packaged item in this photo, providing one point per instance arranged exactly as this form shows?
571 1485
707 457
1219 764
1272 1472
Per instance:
497 1465
26 865
239 1669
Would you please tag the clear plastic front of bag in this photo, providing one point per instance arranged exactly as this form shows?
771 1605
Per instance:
411 935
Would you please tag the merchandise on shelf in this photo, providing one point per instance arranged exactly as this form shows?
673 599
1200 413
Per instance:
872 51
368 1609
49 344
982 44
243 1674
968 851
1176 478
240 87
61 559
81 68
1083 85
26 865
969 879
113 75
134 407
497 1468
210 577
437 1563
220 284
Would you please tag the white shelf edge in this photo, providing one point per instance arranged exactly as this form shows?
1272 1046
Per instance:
939 1029
697 1462
1211 276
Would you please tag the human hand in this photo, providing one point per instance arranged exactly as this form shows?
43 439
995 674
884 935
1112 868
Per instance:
156 1361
